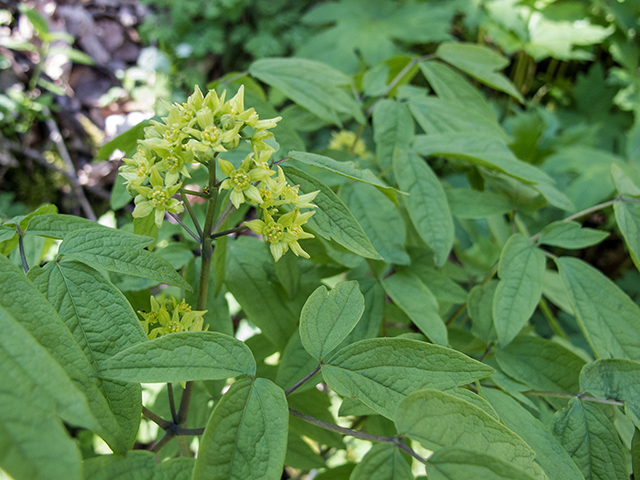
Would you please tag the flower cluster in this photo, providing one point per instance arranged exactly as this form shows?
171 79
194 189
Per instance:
200 130
349 141
169 316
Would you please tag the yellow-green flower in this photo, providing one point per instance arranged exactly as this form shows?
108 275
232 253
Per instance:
156 199
240 180
171 317
173 165
283 233
137 169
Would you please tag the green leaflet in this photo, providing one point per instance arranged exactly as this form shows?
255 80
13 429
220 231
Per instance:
437 419
628 218
295 364
417 301
554 290
521 270
332 220
480 150
346 169
451 463
30 372
57 225
453 87
119 252
481 63
442 287
617 379
555 197
590 438
474 399
22 300
480 309
102 322
383 462
622 181
473 204
246 436
392 130
380 220
328 317
96 312
635 452
288 272
312 85
24 220
436 115
426 204
550 455
7 233
380 372
374 301
35 445
609 319
541 364
179 357
137 465
570 235
248 278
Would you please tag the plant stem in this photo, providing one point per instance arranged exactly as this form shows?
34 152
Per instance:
172 403
195 193
161 422
551 320
397 441
223 216
455 314
227 232
177 219
304 380
580 396
169 434
187 204
23 257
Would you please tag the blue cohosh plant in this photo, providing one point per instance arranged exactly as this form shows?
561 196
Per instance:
448 306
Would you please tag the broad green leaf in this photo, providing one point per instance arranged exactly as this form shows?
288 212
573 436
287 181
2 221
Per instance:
246 436
137 465
453 87
426 204
622 182
7 233
541 364
442 287
380 220
24 220
98 314
179 357
417 301
31 373
615 379
609 319
481 63
550 455
469 203
328 317
474 399
480 309
555 197
451 463
35 445
312 85
332 219
380 372
590 438
392 130
22 300
553 289
570 235
288 272
248 278
374 301
102 322
295 364
521 270
481 150
345 169
628 218
119 252
436 115
146 227
351 406
437 419
57 225
383 462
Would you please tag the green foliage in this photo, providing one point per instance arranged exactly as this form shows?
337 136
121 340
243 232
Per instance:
465 282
